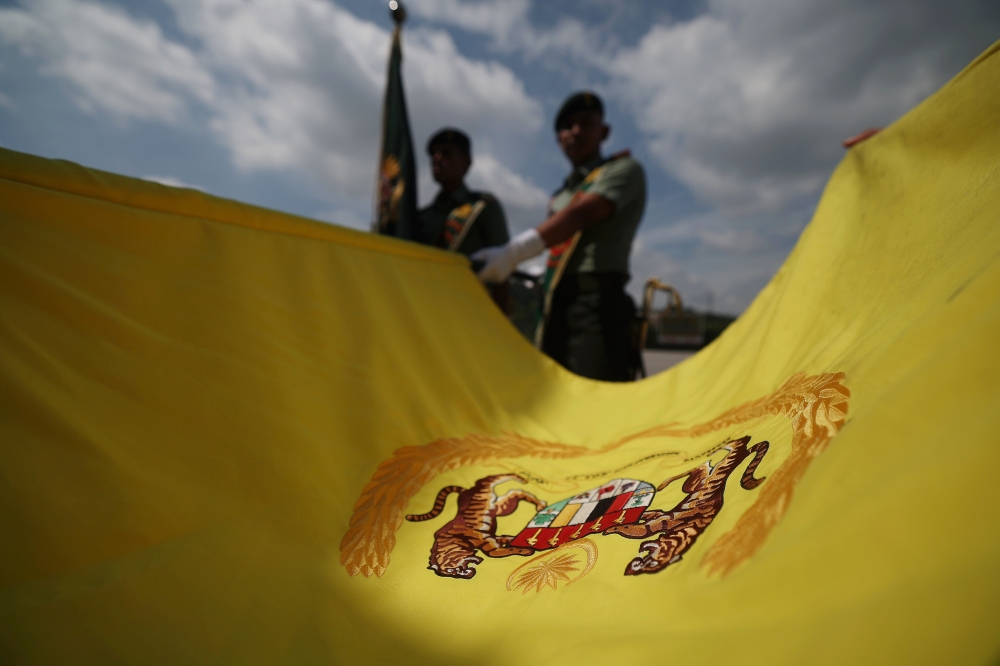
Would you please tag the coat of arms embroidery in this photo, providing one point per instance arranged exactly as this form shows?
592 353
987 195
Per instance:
815 406
620 506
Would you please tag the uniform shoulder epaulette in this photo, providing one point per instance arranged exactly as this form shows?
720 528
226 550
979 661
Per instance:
620 154
485 196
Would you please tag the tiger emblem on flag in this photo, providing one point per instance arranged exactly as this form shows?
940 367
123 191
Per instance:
620 506
558 541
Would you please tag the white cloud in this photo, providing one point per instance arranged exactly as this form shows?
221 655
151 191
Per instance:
311 78
298 85
445 88
500 18
747 104
508 24
292 86
115 63
524 203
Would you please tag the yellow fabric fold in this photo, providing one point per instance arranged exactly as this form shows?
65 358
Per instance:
215 420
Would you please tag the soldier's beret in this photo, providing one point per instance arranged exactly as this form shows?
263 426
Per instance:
581 101
449 136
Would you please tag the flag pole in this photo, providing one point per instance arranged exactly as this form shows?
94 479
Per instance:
398 14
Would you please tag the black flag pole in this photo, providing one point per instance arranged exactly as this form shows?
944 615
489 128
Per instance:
396 183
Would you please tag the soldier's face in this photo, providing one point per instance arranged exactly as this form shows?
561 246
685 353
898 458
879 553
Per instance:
449 164
581 135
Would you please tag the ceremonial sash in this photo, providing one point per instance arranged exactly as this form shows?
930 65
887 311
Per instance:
559 255
459 221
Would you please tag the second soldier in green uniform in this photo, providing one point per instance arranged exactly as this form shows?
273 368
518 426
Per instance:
459 219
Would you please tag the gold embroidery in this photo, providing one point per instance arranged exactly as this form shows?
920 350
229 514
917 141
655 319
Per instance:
815 405
462 211
392 186
610 472
553 568
462 218
593 176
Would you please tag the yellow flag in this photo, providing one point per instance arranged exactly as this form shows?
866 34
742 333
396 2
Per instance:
232 435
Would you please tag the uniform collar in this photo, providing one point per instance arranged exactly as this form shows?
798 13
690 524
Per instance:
460 195
577 175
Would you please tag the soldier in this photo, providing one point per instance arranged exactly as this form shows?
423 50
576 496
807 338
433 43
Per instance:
459 219
586 321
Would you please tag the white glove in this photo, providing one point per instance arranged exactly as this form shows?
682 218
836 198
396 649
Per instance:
502 260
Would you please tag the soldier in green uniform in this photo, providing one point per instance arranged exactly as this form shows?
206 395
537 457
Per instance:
586 319
459 219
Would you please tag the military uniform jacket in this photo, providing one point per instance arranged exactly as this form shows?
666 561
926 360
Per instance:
476 219
605 247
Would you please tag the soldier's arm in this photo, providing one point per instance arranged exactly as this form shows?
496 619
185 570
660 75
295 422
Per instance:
585 210
618 182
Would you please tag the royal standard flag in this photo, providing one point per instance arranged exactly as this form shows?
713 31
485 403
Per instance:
216 447
396 185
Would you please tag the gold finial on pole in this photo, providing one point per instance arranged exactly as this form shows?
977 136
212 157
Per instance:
397 12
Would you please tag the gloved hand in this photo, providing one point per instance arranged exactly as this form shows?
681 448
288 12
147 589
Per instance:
501 261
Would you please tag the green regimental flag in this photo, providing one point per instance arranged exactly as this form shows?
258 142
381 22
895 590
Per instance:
396 187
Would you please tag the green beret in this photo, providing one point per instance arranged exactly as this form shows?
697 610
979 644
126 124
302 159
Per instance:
449 136
581 101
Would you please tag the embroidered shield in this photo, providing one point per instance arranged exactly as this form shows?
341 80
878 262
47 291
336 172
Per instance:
618 502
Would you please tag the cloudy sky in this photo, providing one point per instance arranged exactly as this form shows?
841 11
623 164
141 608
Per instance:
737 108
